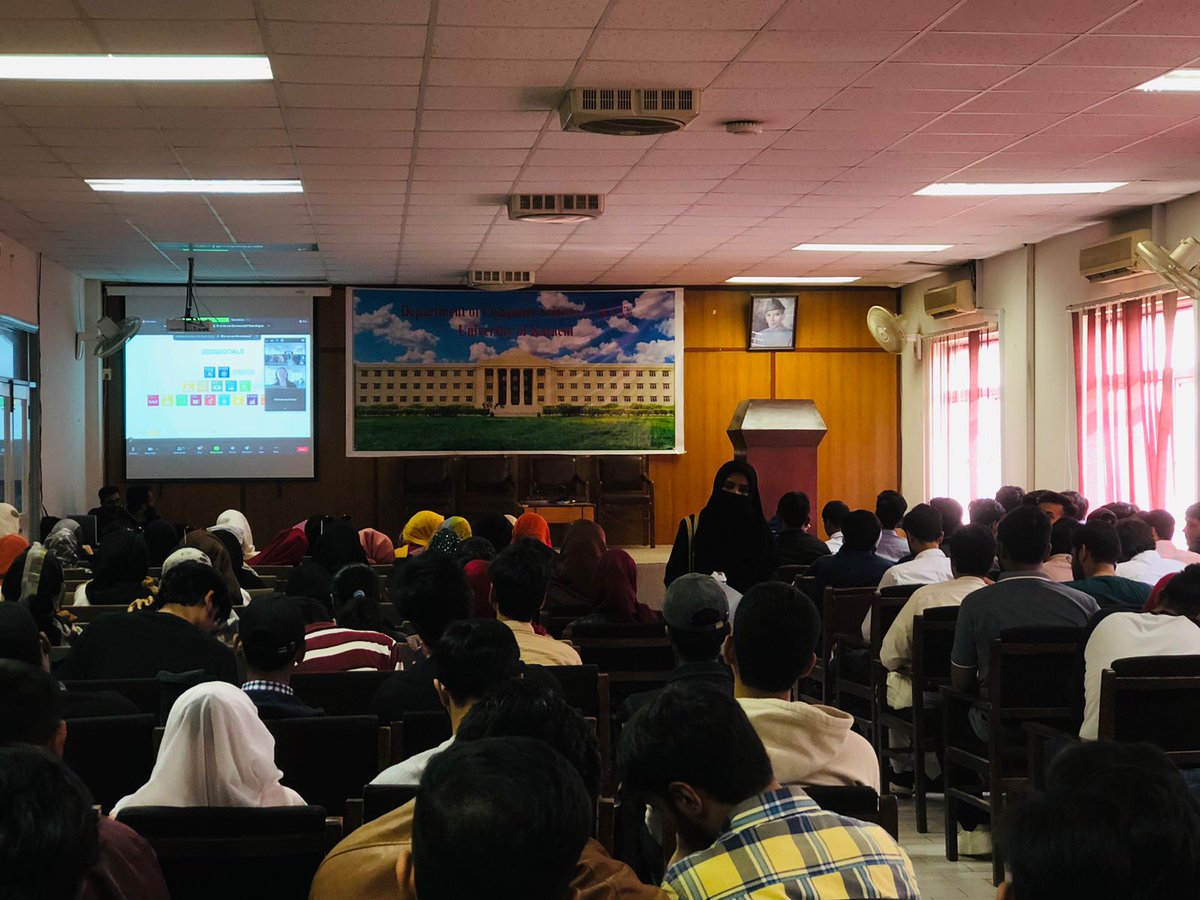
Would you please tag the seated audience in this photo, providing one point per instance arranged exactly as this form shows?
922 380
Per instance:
378 547
532 525
139 503
694 755
1191 528
119 570
985 511
310 581
64 542
951 512
161 539
794 545
519 579
328 647
1103 514
35 579
459 526
889 510
1173 630
1139 558
471 659
1010 497
773 644
496 528
357 593
1080 503
1056 506
1115 821
1058 564
445 541
234 521
1162 523
430 593
856 564
50 839
287 548
616 594
418 532
109 497
271 637
923 530
246 577
11 546
572 588
210 545
832 514
972 552
1095 551
338 546
174 635
215 751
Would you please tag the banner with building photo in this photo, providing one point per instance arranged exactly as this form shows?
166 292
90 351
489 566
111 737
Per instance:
458 371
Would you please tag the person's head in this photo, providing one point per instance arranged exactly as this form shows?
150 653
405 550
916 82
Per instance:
1095 549
36 579
30 707
1103 514
475 548
20 639
109 496
832 514
495 528
860 530
735 492
1056 506
1121 509
472 658
510 813
1191 527
51 837
773 313
139 497
889 508
281 375
1136 537
271 633
312 585
972 551
985 511
693 754
197 593
794 509
696 611
923 527
1023 539
356 590
1010 497
431 593
519 579
1080 503
1181 595
1161 522
775 633
952 514
1061 533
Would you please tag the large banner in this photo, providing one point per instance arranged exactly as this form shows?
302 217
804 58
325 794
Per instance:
433 372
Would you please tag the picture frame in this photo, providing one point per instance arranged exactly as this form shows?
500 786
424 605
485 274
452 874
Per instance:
772 322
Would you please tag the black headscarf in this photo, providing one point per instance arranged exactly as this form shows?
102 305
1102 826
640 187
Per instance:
43 604
233 546
309 581
119 570
339 546
495 528
161 540
732 534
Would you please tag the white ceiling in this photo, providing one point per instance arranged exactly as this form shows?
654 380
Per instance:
410 120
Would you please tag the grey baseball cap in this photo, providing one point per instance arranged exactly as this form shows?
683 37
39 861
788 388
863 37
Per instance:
695 602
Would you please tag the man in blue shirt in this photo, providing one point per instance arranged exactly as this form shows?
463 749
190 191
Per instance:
856 564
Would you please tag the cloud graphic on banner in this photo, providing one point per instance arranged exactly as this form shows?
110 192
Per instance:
557 300
385 324
584 332
413 355
650 352
620 324
481 351
667 327
652 305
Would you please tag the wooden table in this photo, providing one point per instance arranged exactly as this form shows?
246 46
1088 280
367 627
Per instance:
563 513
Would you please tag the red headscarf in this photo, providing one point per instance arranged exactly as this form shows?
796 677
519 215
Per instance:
11 546
532 525
476 572
286 549
378 546
616 590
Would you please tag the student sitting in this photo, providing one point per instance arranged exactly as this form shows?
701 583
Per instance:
1058 564
794 546
271 637
889 509
329 647
832 514
856 563
1163 525
923 530
1139 558
1095 551
519 579
985 511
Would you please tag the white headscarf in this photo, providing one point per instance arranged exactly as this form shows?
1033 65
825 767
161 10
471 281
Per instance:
10 519
183 554
215 752
232 520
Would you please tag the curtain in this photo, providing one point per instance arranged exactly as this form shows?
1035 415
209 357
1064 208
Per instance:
963 433
1126 374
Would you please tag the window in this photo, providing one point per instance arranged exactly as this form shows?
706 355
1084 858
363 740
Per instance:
1135 393
963 424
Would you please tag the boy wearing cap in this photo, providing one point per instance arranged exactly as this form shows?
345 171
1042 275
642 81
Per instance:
271 632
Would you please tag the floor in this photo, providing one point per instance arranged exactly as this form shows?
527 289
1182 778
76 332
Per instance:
938 878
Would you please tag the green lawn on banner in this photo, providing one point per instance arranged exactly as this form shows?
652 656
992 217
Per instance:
498 433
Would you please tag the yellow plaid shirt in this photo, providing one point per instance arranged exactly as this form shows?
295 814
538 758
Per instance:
781 845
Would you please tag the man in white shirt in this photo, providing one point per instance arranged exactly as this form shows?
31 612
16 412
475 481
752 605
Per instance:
1174 630
1142 561
832 514
519 576
1163 525
471 659
923 528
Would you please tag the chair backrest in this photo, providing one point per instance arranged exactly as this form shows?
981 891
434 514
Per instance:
419 731
857 802
486 473
143 692
581 686
618 649
1031 673
788 574
552 472
1153 698
423 474
339 693
622 473
933 639
327 759
112 755
900 590
208 852
884 609
842 615
381 799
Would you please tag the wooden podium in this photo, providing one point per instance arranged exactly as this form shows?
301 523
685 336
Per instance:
779 438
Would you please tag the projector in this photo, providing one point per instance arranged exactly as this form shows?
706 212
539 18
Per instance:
189 323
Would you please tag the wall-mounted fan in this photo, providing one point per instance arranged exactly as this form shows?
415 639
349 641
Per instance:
1181 267
889 331
113 335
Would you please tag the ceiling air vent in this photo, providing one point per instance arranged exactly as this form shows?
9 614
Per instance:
629 111
499 279
561 209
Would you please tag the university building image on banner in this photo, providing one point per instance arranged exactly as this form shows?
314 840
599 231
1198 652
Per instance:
514 383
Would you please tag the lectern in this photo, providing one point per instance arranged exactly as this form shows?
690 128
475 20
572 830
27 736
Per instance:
779 438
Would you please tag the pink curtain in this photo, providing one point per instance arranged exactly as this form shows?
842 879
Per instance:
963 434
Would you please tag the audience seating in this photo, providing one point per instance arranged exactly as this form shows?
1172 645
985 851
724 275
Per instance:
280 573
487 486
635 657
417 732
1029 680
209 852
112 755
426 482
381 799
556 625
858 802
789 574
339 693
327 759
143 692
625 481
842 613
556 478
854 658
586 689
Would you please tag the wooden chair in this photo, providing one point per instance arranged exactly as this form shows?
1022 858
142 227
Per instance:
555 478
417 732
381 799
842 612
854 686
789 574
487 486
1029 680
327 759
933 638
426 483
339 693
586 689
112 755
858 802
635 657
143 692
625 481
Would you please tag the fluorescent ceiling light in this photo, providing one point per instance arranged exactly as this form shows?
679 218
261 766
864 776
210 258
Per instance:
98 67
873 248
184 247
1002 189
196 185
1179 80
792 279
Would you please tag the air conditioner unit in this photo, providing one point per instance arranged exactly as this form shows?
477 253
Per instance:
560 209
499 279
628 111
950 300
1115 258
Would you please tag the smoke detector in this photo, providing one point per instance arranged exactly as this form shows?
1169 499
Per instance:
499 279
744 126
555 209
628 111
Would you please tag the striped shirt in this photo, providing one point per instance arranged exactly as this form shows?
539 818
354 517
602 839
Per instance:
780 844
328 648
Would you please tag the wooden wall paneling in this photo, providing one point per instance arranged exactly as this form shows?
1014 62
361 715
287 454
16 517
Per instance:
838 318
715 319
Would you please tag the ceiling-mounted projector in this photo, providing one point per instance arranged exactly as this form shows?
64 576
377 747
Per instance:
189 324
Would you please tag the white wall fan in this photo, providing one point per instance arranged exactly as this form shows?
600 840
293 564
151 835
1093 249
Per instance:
890 331
1180 267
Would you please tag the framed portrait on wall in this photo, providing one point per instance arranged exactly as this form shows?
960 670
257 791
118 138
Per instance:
772 322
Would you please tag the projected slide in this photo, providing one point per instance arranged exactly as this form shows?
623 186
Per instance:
235 402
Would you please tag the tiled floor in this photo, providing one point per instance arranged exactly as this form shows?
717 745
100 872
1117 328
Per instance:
939 879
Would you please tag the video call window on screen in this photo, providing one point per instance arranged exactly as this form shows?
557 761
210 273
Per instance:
285 366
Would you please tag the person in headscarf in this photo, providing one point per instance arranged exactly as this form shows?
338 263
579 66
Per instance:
339 546
730 534
444 541
119 571
480 582
418 532
161 540
378 546
532 525
616 592
215 751
474 548
496 528
10 519
63 542
233 520
311 582
287 548
211 547
35 579
314 527
184 554
247 578
459 526
11 546
572 589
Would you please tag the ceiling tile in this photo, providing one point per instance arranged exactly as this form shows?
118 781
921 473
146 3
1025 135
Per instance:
168 36
339 96
395 12
936 76
522 13
489 72
46 36
1006 101
819 15
510 43
177 9
347 40
1157 17
746 14
825 46
981 49
791 74
366 119
1031 16
1081 78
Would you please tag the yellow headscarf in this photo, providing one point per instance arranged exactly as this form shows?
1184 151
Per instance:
459 526
421 528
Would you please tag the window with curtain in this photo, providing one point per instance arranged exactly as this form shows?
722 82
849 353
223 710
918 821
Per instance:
1135 365
963 437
